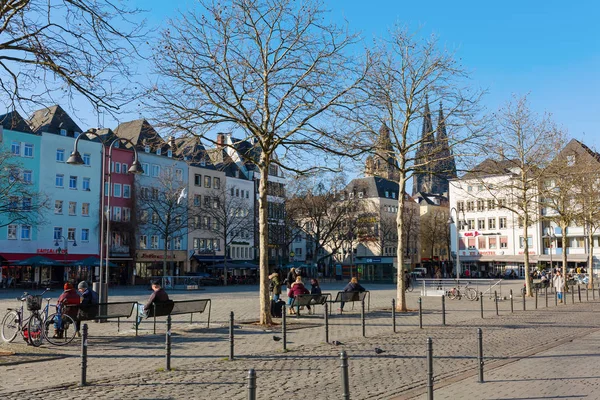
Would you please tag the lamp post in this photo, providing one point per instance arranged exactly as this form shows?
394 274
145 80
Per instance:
136 168
457 224
551 236
66 243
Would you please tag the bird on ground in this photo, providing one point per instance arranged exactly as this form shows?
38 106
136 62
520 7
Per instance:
336 343
378 350
276 338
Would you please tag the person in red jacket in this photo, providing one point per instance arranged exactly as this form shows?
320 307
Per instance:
68 297
296 289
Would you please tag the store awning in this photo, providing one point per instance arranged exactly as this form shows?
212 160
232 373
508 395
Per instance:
59 259
37 260
243 265
91 262
558 257
209 258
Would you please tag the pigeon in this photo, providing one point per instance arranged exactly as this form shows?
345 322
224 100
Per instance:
276 338
378 350
336 343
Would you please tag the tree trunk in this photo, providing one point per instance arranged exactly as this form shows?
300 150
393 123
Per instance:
263 232
401 285
564 257
526 251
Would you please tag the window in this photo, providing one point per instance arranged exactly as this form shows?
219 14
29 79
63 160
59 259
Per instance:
63 132
143 242
60 155
471 224
72 208
154 242
126 214
177 242
491 223
124 168
207 181
492 243
147 148
27 176
469 188
178 174
57 233
106 189
116 214
85 235
155 170
85 209
470 205
146 168
126 191
15 148
154 218
196 243
12 232
87 159
247 193
58 206
237 193
217 183
118 168
197 179
502 222
481 242
158 152
393 195
71 234
490 204
13 203
481 224
480 205
13 175
197 199
117 190
207 202
59 180
73 182
86 184
169 153
471 241
522 242
28 150
460 205
570 160
144 216
501 203
25 232
504 242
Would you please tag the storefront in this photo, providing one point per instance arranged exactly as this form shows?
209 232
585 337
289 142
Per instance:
373 269
149 263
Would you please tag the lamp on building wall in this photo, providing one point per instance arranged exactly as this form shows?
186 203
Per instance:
459 223
136 168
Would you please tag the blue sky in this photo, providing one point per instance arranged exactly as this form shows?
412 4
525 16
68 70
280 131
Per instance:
550 49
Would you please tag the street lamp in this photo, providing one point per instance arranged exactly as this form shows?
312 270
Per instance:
551 236
136 168
66 243
457 225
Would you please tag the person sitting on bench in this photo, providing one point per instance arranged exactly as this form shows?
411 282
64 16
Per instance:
158 296
352 286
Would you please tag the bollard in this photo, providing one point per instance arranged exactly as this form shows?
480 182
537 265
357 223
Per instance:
429 369
536 298
572 295
326 316
345 381
579 292
84 345
480 353
546 294
420 313
394 315
168 343
555 298
443 310
593 293
496 301
284 331
587 294
524 295
362 318
512 308
231 336
481 303
251 384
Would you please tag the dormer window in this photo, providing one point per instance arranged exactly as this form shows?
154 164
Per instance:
203 163
158 151
393 195
147 149
117 144
63 132
76 134
169 153
360 195
387 194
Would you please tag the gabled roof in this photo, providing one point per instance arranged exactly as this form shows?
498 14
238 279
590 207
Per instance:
490 167
431 199
373 186
14 122
193 151
141 133
52 120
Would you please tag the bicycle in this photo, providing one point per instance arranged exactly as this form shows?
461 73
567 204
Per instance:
409 287
64 322
31 328
468 292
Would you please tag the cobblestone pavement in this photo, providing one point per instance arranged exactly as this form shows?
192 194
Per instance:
122 366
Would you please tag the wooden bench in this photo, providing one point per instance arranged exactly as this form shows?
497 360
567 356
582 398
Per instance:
351 297
178 308
303 300
101 311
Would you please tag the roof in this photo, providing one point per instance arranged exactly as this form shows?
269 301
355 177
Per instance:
374 186
141 133
431 199
490 167
193 151
52 120
14 122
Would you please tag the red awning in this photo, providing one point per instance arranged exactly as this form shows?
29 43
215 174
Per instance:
13 257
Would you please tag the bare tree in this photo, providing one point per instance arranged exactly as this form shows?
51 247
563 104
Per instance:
588 188
433 231
232 219
273 71
523 144
165 210
388 232
408 70
19 202
67 47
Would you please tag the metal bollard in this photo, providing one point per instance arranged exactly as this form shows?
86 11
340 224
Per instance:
284 331
84 345
480 353
572 295
496 301
512 308
481 303
420 313
587 294
362 318
536 298
579 292
231 336
429 369
326 316
593 293
168 343
443 310
345 380
524 295
394 315
555 298
251 384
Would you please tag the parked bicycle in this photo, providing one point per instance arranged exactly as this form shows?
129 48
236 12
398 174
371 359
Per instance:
32 327
457 292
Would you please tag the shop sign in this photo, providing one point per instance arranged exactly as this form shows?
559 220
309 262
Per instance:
471 234
52 251
153 256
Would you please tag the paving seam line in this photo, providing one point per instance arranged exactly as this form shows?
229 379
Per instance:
448 380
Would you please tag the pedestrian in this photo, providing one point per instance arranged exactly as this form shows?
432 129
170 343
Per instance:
559 283
297 288
159 295
89 298
438 276
68 298
275 285
352 287
291 278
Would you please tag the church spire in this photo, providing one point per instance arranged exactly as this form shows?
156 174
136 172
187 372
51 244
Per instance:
427 132
442 135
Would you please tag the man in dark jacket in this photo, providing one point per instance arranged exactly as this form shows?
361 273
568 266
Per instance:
89 298
352 286
158 296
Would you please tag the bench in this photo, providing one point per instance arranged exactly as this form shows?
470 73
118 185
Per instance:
101 311
352 297
178 308
303 300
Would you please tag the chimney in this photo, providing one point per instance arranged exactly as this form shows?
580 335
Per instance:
220 139
171 142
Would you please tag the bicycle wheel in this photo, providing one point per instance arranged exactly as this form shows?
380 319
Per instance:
471 294
10 326
68 331
35 329
452 293
409 288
